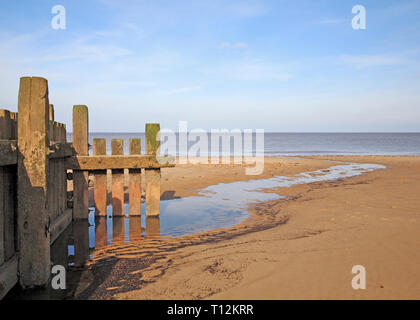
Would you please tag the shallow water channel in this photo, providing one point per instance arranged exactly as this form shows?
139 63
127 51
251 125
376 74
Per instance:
218 206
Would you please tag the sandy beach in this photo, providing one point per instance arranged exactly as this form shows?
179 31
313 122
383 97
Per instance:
302 247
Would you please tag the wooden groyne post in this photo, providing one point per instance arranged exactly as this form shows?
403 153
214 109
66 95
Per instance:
152 175
81 148
35 158
134 194
100 194
33 146
8 161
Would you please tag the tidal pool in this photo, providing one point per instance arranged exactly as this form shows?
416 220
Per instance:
217 206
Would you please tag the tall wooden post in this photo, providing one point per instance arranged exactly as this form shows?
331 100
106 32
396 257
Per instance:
117 180
14 117
51 112
134 189
2 216
5 124
152 175
33 218
100 189
51 122
5 132
7 194
80 178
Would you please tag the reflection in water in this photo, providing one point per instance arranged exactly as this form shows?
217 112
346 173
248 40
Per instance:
109 230
217 206
153 227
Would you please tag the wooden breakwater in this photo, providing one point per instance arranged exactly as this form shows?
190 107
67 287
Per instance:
36 162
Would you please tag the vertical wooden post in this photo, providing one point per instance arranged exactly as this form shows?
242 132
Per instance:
8 193
51 189
2 216
62 186
100 189
52 177
5 125
14 116
9 180
117 180
4 134
63 174
152 175
134 189
51 122
33 218
80 178
51 112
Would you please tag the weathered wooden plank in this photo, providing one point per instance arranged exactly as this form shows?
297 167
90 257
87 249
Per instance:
33 218
80 179
152 176
117 181
51 122
2 215
60 150
64 133
8 152
60 224
152 192
100 190
152 138
5 124
56 131
8 276
52 190
51 112
119 162
134 188
14 117
9 200
62 192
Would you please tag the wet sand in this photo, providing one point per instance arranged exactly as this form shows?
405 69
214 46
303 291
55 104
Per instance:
303 247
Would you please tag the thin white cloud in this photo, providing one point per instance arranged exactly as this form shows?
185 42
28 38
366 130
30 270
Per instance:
365 61
237 45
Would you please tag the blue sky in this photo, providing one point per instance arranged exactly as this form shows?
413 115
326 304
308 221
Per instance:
284 66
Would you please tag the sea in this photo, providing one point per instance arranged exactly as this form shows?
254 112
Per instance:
287 144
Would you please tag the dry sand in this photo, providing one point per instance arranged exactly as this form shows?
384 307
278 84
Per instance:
300 248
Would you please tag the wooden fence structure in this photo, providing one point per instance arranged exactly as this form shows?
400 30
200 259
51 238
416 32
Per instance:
35 163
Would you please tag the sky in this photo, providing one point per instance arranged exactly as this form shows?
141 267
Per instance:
281 66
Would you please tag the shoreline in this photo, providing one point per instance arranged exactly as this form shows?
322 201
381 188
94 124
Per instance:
226 279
